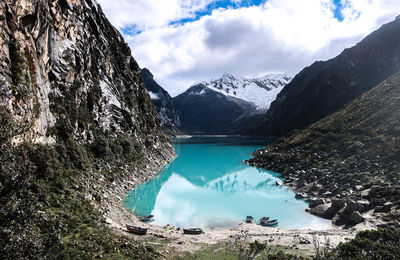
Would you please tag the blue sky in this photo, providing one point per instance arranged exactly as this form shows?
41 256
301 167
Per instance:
224 4
187 41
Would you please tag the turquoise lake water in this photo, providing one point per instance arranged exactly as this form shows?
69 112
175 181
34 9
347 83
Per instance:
207 186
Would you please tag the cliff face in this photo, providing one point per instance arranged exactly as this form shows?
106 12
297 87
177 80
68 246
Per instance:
75 119
162 101
62 62
325 86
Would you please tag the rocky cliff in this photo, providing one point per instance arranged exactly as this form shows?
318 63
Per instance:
326 86
347 163
75 117
163 102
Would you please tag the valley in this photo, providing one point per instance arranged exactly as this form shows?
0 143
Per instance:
88 138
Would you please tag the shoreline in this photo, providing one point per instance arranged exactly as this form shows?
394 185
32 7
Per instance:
116 216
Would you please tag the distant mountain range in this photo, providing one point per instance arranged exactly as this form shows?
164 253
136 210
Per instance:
220 106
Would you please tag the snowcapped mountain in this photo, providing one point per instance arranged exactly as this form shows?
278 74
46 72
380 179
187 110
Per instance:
259 91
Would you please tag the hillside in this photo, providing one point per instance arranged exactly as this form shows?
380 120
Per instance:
204 111
162 101
352 155
75 120
326 86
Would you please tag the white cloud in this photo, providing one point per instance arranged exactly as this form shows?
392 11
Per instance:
279 36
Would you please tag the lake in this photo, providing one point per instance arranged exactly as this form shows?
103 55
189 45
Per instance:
208 186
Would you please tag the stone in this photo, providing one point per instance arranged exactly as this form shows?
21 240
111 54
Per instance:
338 204
377 201
356 217
324 211
353 206
300 196
327 194
316 202
304 241
373 190
387 206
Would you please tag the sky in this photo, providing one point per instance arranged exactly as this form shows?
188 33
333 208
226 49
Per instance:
187 41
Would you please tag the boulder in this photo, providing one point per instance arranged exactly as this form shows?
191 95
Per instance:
319 210
377 201
352 206
300 196
387 206
327 194
374 189
324 211
337 203
316 202
355 217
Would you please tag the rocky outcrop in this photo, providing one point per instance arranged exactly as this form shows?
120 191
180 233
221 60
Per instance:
351 157
163 102
75 118
325 86
63 63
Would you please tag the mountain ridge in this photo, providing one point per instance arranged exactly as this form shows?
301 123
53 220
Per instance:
325 86
349 158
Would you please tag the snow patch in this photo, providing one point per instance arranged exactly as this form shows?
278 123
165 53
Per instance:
260 91
154 96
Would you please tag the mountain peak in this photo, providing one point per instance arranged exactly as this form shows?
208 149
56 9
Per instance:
260 91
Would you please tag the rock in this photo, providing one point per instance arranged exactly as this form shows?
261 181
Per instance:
356 217
353 206
377 201
304 241
300 196
387 206
373 190
359 187
316 202
324 211
108 221
337 203
327 194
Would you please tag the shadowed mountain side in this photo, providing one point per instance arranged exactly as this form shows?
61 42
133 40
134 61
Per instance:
204 111
162 101
325 86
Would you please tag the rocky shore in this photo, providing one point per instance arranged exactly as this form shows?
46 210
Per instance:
174 242
347 165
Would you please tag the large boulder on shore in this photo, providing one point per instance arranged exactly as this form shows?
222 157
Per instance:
324 211
337 203
352 206
316 202
356 217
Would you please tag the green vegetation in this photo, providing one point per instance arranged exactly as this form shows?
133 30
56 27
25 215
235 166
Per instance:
371 244
240 251
44 212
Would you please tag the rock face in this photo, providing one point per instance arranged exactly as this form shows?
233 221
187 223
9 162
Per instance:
66 71
328 160
75 118
205 111
326 86
163 102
